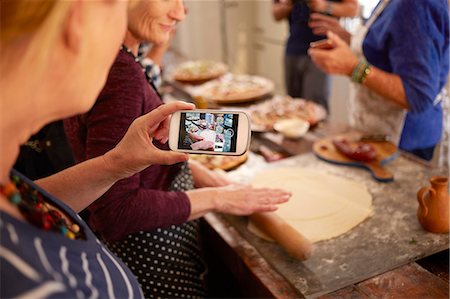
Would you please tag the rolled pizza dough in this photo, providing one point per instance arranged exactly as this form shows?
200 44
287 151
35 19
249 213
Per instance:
322 205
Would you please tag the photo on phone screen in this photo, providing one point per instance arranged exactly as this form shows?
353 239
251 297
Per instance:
209 132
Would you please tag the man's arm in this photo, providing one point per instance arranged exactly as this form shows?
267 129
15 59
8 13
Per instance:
342 61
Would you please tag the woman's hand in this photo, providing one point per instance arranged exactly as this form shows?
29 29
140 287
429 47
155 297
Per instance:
195 137
246 200
235 199
340 60
136 151
321 24
203 177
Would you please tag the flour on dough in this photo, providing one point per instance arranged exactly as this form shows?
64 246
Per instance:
322 205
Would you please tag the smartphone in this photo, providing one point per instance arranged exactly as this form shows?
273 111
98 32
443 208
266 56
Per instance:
212 132
324 44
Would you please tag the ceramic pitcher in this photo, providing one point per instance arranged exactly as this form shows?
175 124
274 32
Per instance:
433 209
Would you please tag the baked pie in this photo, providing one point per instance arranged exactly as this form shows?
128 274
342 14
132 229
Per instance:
265 115
235 88
199 71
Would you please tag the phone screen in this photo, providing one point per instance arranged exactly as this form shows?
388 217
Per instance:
208 131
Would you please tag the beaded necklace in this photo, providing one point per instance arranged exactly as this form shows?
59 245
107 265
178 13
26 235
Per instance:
36 210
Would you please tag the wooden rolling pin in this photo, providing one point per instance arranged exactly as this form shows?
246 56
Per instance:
276 228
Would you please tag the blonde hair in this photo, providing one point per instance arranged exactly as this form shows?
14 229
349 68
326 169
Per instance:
21 17
25 20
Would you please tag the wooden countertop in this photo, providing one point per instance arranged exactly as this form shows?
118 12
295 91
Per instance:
238 270
253 276
248 275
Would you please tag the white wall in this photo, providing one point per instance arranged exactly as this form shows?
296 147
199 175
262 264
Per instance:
199 35
243 34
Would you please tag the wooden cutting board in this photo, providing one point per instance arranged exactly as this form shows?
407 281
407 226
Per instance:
386 151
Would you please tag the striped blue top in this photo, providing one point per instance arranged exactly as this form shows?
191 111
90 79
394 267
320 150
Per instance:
38 264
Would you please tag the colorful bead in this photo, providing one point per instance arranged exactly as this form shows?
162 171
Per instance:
39 206
34 197
15 198
47 221
70 235
75 228
55 214
9 189
32 204
15 179
64 230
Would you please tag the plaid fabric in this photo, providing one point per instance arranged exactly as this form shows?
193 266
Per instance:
153 71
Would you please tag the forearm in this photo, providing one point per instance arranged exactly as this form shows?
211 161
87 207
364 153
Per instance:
202 202
128 208
387 85
78 186
281 11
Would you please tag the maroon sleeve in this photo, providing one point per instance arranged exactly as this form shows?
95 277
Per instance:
127 207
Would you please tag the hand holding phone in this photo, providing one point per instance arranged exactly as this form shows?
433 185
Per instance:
214 132
324 44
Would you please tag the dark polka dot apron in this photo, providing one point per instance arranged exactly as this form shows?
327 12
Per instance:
168 261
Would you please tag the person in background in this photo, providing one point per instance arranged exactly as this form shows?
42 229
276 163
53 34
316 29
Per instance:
303 79
399 65
63 50
150 219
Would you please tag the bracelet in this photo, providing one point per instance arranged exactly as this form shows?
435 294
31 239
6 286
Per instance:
360 72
